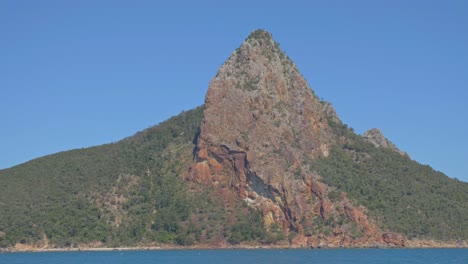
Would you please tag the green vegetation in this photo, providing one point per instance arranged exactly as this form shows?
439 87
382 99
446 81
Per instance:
401 194
134 192
120 194
247 228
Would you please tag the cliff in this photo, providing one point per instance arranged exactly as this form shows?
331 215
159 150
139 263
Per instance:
262 126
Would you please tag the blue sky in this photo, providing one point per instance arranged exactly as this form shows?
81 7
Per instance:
75 74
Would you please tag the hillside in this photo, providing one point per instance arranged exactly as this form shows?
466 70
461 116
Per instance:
399 193
264 161
120 194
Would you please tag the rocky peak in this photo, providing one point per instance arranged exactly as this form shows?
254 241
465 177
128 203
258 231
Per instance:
260 104
259 88
261 36
376 137
262 126
257 52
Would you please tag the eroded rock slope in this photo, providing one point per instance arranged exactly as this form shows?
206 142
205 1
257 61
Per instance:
262 126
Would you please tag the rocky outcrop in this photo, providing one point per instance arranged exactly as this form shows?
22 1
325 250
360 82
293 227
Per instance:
376 137
262 126
394 239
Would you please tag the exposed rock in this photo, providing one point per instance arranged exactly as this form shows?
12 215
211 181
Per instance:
376 137
262 125
395 239
330 111
300 241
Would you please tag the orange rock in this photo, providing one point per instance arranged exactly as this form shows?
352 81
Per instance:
261 121
200 172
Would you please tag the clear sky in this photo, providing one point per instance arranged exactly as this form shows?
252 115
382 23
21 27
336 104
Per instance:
79 73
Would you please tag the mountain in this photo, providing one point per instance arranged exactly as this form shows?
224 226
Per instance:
264 161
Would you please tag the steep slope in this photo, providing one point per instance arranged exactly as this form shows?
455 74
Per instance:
267 138
401 194
261 129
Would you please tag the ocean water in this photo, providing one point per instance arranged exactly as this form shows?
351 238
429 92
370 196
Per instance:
268 256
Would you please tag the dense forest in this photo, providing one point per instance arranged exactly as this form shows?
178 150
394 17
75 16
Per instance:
129 192
400 194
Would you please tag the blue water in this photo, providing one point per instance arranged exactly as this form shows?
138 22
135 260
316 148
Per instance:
328 256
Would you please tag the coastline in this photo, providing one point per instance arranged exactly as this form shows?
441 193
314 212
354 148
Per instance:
419 244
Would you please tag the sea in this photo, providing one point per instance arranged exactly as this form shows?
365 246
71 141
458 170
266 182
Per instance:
244 256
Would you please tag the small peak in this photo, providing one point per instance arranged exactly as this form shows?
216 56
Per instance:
377 138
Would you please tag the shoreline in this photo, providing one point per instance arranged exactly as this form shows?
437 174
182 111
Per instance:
230 247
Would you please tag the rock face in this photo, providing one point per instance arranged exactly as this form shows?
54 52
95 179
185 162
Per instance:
262 126
395 239
376 137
